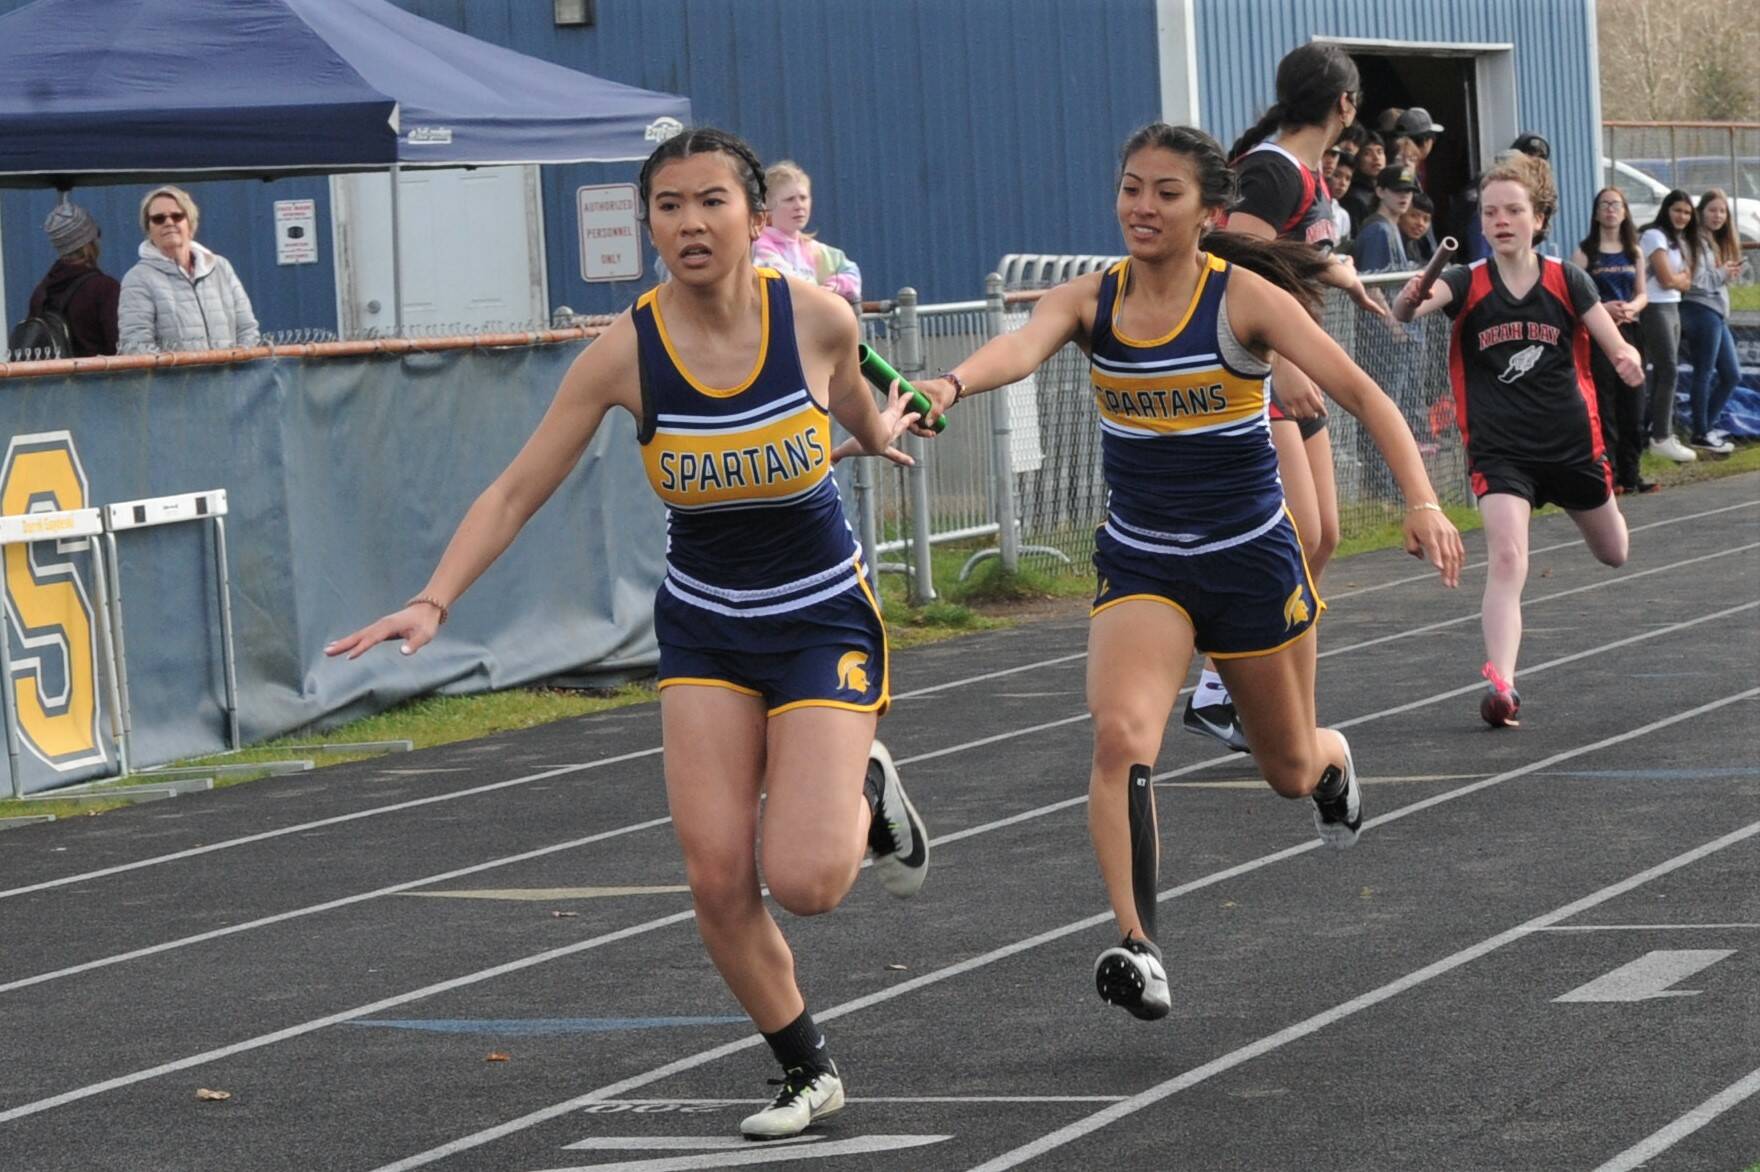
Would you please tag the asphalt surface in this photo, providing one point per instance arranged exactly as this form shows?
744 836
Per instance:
343 951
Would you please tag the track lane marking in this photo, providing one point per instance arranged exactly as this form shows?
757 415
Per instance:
640 753
1355 1005
1660 1141
690 1062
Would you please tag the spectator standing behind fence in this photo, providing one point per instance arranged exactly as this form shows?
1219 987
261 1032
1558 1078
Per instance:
1359 198
1717 261
75 289
1666 276
1609 254
1414 225
1341 165
180 295
1381 247
786 246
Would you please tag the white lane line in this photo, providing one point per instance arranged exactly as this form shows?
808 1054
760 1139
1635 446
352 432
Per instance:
302 827
1651 1147
969 832
638 754
872 1099
1645 927
294 1031
307 1027
691 1062
314 909
1355 1005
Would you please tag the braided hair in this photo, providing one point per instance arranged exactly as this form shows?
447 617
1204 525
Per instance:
704 140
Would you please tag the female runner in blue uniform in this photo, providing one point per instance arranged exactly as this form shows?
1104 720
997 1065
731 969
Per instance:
1519 362
1198 551
773 660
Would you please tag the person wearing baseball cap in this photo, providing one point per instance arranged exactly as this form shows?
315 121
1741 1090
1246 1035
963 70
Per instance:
1417 125
1380 247
75 289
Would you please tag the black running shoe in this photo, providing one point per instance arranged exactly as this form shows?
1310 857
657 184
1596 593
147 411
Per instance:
1340 818
806 1095
1216 720
896 836
1130 976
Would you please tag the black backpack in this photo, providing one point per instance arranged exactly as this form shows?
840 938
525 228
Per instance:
45 335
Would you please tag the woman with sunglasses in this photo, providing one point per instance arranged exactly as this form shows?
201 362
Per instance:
180 295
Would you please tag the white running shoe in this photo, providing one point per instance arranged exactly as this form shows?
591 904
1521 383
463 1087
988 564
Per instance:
806 1095
1712 444
1131 976
896 836
1340 819
1673 449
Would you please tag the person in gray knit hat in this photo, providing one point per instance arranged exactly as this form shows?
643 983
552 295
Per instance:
75 289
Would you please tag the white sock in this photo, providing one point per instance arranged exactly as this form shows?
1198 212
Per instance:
1211 689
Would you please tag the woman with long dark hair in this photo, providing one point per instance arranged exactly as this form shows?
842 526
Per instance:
1609 254
1667 274
1198 552
773 660
1283 196
1717 263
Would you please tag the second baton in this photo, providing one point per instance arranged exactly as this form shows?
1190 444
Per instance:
879 372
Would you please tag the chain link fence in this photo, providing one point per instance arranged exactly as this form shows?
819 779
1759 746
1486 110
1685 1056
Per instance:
1017 475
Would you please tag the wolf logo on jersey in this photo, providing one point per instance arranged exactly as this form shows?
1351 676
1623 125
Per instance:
852 671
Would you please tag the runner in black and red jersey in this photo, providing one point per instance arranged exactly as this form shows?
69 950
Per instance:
1283 196
1519 362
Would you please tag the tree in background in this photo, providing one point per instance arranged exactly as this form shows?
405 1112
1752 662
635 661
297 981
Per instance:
1665 61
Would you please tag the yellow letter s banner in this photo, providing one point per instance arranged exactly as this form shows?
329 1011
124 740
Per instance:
49 613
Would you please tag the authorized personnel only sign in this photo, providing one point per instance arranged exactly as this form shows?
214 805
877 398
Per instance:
611 237
296 232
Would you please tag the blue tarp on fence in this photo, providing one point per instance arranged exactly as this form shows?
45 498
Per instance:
345 478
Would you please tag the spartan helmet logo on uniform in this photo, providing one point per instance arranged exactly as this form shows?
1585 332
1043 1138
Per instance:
1295 609
852 671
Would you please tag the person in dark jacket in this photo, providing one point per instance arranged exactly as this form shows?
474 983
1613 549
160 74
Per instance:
75 286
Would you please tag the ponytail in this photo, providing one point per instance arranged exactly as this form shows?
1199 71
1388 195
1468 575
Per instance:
1270 120
1291 265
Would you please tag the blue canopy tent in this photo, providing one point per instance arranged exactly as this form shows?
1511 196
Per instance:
112 91
135 91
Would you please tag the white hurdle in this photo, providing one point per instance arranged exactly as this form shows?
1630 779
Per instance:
72 531
208 506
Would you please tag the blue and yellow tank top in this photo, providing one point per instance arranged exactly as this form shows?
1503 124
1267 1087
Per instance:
754 525
1185 439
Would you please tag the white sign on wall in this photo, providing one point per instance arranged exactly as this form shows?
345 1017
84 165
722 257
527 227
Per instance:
296 232
611 236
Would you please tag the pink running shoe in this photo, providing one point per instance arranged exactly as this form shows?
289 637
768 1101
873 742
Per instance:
1502 703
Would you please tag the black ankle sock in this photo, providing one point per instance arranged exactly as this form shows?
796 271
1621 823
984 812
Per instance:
1331 784
799 1043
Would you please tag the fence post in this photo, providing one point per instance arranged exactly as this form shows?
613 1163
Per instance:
910 362
862 484
1001 450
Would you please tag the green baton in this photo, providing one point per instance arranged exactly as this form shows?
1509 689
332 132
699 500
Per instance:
879 372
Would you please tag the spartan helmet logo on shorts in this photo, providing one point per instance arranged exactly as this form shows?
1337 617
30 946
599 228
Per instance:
1295 609
1521 362
852 671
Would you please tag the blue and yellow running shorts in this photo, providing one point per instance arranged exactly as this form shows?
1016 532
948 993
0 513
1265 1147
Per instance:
830 653
1251 598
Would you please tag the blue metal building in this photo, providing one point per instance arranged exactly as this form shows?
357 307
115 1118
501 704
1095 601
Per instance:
940 134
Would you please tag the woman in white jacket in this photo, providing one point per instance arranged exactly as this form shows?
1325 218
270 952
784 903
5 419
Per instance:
180 296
